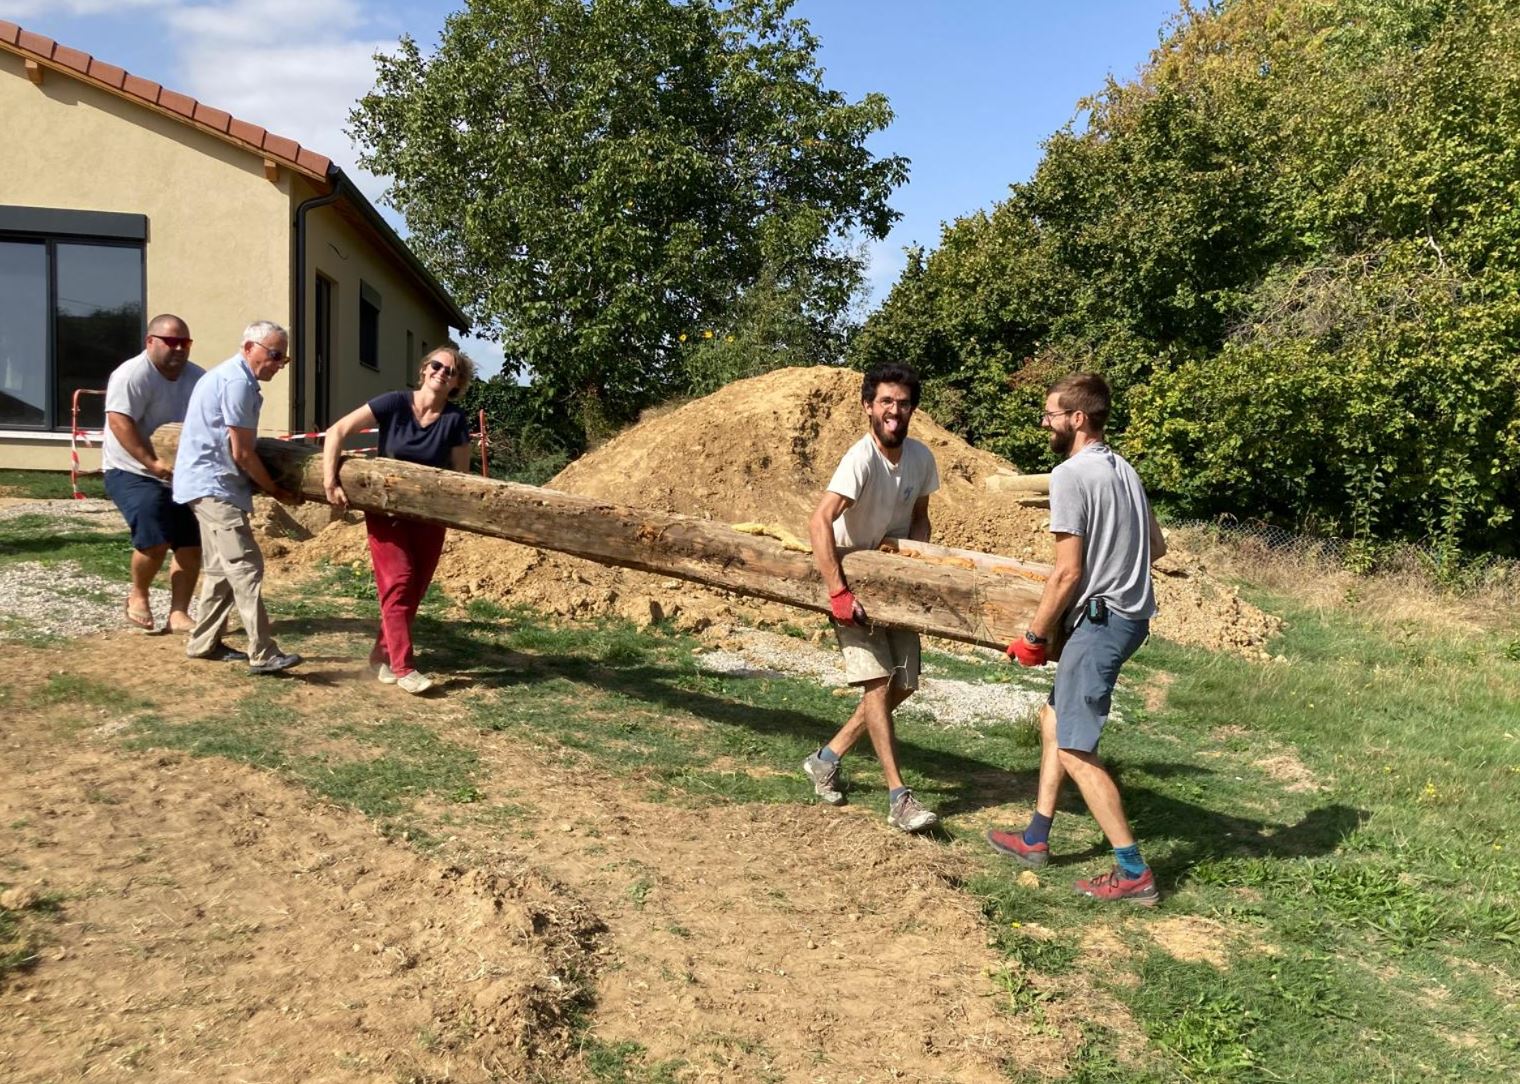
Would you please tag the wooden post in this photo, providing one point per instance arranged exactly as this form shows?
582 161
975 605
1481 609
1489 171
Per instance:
932 593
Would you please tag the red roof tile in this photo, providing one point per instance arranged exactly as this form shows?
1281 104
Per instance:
182 104
73 58
109 74
139 87
86 67
36 43
248 133
212 118
281 147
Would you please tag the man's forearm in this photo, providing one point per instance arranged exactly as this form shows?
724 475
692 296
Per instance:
826 557
1060 589
131 441
253 466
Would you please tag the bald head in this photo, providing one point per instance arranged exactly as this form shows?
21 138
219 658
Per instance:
168 344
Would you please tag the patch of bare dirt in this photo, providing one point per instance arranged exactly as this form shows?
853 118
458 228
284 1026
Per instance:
1193 939
763 450
219 923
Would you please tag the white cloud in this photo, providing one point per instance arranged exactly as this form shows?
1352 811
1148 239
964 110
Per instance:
16 10
266 26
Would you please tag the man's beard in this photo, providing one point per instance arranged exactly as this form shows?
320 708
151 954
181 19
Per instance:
1061 441
886 438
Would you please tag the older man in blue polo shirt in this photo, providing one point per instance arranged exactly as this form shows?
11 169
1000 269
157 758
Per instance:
215 471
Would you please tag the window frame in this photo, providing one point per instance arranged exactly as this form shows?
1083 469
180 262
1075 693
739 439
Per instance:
369 298
51 227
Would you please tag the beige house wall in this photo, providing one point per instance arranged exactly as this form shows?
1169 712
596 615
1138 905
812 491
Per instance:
218 250
346 255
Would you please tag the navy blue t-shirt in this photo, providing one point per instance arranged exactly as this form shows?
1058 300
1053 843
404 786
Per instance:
402 438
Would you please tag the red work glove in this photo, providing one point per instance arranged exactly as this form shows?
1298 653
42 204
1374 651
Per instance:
1027 654
842 605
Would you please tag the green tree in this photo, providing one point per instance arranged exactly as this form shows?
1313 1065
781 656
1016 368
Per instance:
1293 245
594 179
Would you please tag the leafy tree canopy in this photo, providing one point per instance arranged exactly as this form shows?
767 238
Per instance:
602 184
1293 245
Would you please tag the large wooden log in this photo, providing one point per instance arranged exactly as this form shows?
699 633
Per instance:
939 593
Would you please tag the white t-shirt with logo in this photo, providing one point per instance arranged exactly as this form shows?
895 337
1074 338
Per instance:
138 390
883 494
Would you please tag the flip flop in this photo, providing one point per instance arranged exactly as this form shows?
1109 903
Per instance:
143 619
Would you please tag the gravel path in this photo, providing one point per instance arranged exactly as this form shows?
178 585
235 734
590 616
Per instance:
951 701
61 599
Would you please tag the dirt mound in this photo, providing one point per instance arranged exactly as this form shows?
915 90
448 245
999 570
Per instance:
763 450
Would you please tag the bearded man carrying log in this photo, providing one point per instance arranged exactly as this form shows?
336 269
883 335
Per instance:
881 487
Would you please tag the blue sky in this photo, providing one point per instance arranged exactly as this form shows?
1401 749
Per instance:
977 85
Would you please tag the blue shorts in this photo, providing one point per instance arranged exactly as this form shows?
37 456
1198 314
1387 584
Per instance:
149 509
1085 677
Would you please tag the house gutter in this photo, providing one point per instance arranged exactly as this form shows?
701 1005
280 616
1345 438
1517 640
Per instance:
298 299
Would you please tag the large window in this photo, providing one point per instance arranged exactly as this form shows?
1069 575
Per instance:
71 310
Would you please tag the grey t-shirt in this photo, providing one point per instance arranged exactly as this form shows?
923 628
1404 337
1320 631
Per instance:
1096 494
138 390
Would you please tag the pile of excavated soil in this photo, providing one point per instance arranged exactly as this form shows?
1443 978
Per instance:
763 450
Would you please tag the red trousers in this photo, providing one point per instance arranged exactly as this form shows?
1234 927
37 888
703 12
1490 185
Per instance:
405 555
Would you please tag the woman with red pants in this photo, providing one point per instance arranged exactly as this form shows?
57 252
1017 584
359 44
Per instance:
423 427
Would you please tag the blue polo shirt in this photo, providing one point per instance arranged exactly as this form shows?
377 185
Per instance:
226 396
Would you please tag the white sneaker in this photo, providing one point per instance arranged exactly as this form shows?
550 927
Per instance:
387 675
416 682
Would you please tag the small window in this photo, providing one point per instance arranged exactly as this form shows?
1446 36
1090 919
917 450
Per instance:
411 357
369 326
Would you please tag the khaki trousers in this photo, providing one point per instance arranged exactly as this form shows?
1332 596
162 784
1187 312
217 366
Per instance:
232 573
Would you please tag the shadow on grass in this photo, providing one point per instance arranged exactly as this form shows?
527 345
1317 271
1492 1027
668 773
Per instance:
476 651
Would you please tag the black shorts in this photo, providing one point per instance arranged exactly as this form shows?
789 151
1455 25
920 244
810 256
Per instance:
149 509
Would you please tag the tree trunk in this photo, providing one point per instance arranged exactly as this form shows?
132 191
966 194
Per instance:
939 591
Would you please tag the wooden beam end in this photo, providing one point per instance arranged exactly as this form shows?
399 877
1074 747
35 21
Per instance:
271 170
34 72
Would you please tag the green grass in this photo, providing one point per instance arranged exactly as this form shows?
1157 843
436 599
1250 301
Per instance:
48 485
1374 920
42 539
1347 824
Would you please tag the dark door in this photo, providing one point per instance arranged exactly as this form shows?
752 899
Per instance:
322 367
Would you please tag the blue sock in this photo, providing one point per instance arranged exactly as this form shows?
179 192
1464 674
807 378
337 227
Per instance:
828 756
895 793
1038 830
1129 861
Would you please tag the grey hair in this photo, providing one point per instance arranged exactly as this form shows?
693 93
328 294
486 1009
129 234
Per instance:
257 331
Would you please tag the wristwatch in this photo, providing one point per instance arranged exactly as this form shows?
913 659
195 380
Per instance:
1037 641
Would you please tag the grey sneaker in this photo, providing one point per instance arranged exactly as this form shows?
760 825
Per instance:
908 815
275 663
386 675
825 777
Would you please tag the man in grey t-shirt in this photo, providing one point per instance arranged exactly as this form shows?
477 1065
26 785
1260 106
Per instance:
1100 596
145 392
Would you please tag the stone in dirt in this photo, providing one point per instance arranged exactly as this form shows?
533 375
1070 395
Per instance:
762 451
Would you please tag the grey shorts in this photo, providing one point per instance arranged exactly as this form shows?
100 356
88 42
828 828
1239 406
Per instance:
1085 678
872 653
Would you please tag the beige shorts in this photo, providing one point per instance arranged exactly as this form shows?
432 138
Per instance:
881 652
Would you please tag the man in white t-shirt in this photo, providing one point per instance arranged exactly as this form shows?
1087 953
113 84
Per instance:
880 489
145 392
